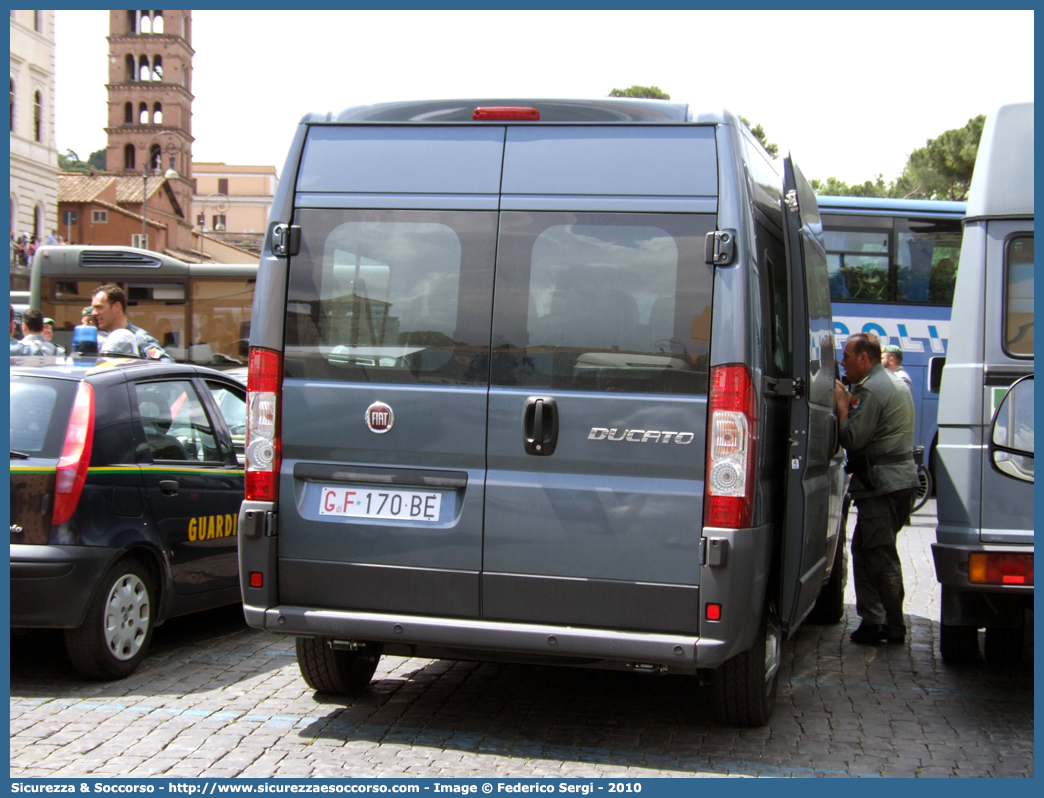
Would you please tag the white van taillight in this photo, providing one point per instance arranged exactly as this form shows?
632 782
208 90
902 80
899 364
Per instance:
731 434
76 456
264 378
506 113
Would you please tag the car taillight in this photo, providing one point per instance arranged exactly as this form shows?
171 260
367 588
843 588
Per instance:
264 379
1000 568
506 113
76 456
731 435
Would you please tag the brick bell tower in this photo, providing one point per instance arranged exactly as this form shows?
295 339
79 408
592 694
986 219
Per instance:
150 109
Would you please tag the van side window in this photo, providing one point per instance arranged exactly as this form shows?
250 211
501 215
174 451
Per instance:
391 296
608 302
773 261
1018 296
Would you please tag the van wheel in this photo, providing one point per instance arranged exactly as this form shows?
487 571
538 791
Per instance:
958 645
335 671
829 608
114 637
1004 645
744 687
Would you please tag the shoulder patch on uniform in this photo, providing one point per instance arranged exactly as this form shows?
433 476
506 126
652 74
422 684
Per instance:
154 352
855 403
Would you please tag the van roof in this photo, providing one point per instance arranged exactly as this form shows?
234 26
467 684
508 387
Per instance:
1002 183
604 110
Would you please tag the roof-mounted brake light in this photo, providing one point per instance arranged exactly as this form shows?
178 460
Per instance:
506 113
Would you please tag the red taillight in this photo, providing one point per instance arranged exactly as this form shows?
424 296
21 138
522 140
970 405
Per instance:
1000 568
731 435
506 113
264 379
257 579
76 456
713 612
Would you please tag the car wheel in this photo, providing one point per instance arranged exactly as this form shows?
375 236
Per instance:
336 671
1004 645
958 645
114 637
829 608
744 687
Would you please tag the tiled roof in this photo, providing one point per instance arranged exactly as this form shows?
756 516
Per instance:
75 187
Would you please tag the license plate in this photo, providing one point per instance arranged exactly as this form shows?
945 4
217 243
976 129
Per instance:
408 505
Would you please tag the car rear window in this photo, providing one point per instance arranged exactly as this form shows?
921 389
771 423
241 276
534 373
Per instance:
40 414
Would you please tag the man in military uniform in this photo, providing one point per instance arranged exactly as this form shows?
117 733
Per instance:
892 359
109 307
877 430
16 344
34 342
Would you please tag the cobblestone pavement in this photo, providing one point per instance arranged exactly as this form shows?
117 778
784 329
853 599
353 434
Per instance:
218 699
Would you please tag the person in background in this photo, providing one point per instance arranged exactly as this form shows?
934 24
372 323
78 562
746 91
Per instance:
109 307
48 330
52 237
87 317
892 359
877 428
16 345
34 342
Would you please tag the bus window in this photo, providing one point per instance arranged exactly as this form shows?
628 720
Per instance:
927 255
857 264
221 310
1018 297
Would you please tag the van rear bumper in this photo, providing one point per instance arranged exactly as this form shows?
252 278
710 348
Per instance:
677 653
951 566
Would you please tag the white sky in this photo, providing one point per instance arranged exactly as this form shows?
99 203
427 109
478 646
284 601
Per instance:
868 88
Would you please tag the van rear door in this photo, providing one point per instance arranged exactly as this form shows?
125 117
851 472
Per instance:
813 426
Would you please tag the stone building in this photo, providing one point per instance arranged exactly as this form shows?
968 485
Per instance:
34 151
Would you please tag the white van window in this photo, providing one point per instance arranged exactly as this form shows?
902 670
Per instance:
1018 297
391 296
601 302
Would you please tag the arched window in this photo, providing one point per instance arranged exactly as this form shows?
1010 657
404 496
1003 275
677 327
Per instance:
157 22
146 23
132 21
157 67
12 105
143 68
128 113
155 158
157 114
128 157
132 72
143 114
37 116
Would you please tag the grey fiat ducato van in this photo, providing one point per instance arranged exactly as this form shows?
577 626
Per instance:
542 381
984 542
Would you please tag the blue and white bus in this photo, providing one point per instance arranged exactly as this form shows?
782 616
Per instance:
892 266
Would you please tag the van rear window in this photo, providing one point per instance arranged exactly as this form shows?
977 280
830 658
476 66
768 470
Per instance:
1018 297
391 296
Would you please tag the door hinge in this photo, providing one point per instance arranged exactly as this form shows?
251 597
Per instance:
720 247
792 201
794 388
286 240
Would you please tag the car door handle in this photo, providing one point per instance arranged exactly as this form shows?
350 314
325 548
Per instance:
540 426
169 487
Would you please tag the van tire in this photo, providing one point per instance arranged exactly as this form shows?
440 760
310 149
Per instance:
334 671
744 694
958 645
1004 645
829 608
115 635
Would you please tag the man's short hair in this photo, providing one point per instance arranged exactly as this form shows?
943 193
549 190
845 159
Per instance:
895 351
33 320
868 344
113 295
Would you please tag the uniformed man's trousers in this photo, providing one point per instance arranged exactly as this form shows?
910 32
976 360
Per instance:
875 560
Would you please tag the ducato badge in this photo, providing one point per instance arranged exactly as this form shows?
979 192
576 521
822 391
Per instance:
379 418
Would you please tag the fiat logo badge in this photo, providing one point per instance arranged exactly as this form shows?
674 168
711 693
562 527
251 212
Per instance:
379 418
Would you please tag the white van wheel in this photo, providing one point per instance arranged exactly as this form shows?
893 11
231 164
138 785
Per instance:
744 687
336 671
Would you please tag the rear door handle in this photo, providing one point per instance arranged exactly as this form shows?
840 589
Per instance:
540 426
169 487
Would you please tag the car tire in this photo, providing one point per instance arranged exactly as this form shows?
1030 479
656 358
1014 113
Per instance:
1004 645
958 645
336 671
115 635
829 608
744 687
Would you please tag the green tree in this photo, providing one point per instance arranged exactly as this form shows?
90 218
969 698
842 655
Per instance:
97 160
759 133
942 168
648 92
70 162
